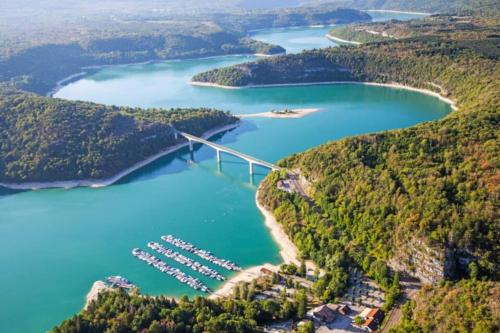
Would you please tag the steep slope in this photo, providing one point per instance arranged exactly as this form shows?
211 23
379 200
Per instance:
468 306
423 199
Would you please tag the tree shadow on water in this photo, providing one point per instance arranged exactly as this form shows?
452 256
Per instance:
5 192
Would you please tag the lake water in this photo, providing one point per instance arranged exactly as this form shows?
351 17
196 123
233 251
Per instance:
55 243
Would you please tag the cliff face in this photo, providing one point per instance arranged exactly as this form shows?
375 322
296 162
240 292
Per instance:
429 265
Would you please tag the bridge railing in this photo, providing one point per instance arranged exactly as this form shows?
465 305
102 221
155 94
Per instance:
219 148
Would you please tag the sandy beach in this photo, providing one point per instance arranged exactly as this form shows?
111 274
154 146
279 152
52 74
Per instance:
393 85
109 181
97 287
296 113
246 275
288 251
264 55
396 12
336 39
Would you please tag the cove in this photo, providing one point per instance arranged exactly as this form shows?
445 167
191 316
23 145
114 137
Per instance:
55 243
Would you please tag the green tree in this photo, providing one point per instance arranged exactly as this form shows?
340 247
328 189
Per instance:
306 327
301 299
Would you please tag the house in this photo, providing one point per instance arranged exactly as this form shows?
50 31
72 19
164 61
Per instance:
343 309
373 318
370 325
324 313
376 315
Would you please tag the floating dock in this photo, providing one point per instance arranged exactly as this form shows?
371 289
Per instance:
194 265
207 255
120 282
169 270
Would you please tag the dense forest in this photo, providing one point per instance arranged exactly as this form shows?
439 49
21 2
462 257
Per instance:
117 311
36 59
429 190
46 139
434 6
459 27
468 306
38 68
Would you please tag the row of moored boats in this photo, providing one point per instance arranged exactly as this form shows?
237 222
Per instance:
119 282
184 260
205 254
194 265
169 270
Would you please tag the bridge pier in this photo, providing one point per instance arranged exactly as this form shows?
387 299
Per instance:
220 149
218 156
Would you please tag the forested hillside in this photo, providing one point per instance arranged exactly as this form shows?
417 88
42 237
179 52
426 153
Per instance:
458 28
34 59
38 68
433 6
434 184
468 306
45 139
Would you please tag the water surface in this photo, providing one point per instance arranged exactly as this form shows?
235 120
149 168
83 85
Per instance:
55 243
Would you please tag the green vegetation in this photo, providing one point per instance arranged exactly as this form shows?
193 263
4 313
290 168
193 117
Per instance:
468 306
119 312
51 53
374 195
458 28
370 195
301 16
434 6
45 139
38 68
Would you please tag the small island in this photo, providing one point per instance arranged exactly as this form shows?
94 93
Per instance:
282 114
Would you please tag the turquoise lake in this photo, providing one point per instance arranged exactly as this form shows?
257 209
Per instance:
55 243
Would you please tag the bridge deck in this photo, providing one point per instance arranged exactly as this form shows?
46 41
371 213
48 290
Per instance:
231 151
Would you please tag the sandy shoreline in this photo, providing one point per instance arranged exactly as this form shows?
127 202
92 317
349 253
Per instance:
97 287
296 113
109 181
387 85
336 39
61 83
396 12
264 55
288 251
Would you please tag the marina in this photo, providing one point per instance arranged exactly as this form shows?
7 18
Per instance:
204 254
169 270
120 282
194 265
